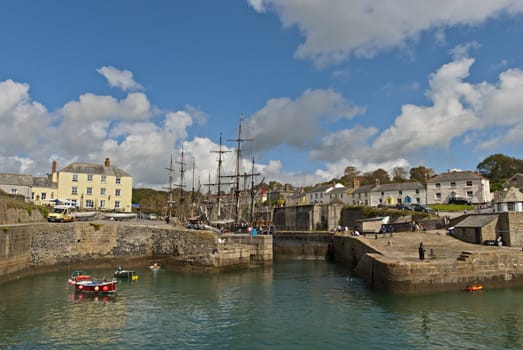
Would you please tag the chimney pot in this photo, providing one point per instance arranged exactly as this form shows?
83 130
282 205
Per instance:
107 162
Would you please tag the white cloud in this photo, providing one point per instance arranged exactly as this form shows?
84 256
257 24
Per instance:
334 30
296 123
122 79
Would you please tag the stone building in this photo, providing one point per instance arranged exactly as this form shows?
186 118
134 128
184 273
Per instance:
510 199
17 185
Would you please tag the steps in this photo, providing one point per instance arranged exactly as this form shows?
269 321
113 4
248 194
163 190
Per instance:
464 256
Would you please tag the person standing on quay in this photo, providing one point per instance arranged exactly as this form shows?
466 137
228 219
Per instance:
421 251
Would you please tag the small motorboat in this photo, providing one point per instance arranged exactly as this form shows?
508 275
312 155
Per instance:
474 287
77 276
83 283
154 267
127 274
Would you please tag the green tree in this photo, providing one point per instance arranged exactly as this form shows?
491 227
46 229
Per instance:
399 174
421 174
349 175
498 168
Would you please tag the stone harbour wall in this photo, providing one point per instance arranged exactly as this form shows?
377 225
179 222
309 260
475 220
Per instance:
28 248
493 269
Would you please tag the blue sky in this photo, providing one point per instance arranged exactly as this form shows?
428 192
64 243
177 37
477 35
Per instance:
321 85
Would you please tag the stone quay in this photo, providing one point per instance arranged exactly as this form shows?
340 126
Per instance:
27 249
392 264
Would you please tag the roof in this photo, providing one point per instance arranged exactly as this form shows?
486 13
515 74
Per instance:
363 189
94 169
43 182
325 188
456 176
515 181
399 186
511 195
16 179
476 220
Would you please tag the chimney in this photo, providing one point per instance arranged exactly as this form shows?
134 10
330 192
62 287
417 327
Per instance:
377 182
356 183
107 162
53 167
54 174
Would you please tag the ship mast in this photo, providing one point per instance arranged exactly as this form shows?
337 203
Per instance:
237 176
170 201
181 188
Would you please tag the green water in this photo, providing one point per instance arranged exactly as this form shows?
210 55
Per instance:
292 305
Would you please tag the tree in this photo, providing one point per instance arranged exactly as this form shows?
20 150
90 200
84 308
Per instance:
349 175
369 178
399 174
498 168
421 174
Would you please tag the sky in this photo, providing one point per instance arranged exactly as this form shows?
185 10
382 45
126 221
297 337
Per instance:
317 86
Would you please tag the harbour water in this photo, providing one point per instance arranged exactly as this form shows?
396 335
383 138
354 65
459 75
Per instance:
291 305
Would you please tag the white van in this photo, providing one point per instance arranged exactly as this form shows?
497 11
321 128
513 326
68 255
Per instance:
61 213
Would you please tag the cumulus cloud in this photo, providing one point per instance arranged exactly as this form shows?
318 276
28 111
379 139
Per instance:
283 121
334 30
122 79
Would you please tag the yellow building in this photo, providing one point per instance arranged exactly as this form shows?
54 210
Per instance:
88 186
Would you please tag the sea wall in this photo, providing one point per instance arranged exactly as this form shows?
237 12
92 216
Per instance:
303 245
493 269
26 249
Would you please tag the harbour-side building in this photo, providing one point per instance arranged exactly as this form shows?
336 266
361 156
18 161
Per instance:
89 186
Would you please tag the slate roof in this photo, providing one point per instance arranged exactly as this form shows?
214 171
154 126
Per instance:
476 220
43 182
94 169
511 195
456 176
515 181
16 179
363 189
399 186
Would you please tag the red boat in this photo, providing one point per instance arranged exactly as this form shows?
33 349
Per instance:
83 283
474 287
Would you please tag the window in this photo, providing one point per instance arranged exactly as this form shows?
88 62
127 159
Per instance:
90 178
14 191
102 203
470 194
102 191
417 191
511 206
437 196
89 191
400 192
469 183
44 195
118 180
452 184
437 185
382 193
74 190
89 203
104 179
75 177
116 204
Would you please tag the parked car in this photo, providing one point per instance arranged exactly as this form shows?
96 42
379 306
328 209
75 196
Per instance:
422 208
459 200
403 206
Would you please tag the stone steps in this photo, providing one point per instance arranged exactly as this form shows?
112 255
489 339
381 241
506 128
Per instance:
464 256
